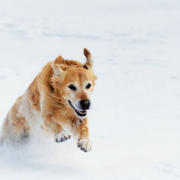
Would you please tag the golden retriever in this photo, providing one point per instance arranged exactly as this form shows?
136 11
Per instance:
57 100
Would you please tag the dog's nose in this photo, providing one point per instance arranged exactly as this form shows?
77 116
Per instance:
85 104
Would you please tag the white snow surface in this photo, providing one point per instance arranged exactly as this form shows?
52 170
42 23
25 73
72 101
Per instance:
135 118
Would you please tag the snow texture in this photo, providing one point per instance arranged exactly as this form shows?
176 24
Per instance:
135 118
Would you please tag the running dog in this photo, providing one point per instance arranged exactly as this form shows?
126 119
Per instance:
57 100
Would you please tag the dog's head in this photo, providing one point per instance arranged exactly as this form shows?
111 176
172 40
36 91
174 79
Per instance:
74 82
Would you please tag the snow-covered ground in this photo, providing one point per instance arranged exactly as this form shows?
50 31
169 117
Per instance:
135 118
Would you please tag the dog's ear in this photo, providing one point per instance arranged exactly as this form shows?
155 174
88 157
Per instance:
57 68
59 60
89 59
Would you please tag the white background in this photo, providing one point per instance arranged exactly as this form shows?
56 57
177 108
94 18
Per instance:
135 117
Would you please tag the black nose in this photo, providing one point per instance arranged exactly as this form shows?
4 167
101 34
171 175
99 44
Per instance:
85 104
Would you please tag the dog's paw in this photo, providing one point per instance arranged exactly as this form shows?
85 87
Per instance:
62 136
84 144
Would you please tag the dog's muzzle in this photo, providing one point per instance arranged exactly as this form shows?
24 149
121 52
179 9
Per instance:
80 113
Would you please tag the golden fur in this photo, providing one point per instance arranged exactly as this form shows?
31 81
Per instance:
45 105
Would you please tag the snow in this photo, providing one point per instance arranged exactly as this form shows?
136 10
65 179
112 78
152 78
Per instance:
135 118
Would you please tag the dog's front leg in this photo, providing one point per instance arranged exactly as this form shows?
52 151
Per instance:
59 133
83 132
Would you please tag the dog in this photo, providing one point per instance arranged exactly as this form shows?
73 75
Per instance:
57 100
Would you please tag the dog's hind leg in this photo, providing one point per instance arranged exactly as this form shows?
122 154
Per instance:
5 130
15 126
14 130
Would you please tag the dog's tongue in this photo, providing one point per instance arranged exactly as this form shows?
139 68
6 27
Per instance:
82 112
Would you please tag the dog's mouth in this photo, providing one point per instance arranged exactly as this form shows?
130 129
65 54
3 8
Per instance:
79 113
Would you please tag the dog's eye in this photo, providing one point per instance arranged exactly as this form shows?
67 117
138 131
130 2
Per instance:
72 87
85 67
88 86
